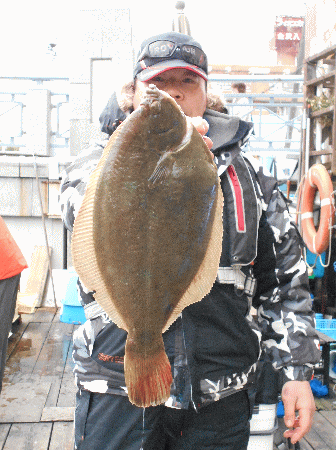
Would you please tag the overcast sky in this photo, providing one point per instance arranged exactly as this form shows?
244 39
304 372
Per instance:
230 32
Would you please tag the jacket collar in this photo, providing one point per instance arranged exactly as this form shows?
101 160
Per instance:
225 130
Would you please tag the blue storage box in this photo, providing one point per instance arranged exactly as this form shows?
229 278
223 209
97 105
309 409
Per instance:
327 326
72 311
72 314
318 270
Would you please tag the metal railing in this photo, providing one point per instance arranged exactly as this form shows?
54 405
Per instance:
13 114
276 109
11 118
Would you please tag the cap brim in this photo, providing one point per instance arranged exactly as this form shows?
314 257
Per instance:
152 71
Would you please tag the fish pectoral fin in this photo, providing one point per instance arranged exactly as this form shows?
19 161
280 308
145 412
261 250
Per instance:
158 176
162 170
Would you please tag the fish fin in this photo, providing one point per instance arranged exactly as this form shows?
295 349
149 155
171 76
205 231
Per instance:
148 377
207 272
83 249
162 170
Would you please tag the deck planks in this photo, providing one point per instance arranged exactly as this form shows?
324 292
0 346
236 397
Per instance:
23 401
25 355
32 436
58 414
62 437
68 389
305 446
4 430
322 436
330 416
38 397
54 354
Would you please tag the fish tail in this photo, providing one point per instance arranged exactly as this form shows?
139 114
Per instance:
148 377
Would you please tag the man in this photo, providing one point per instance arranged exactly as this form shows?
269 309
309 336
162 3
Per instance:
12 263
240 104
214 346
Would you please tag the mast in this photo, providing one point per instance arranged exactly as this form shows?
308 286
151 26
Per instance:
180 22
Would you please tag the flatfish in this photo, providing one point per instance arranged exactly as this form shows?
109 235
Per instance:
148 236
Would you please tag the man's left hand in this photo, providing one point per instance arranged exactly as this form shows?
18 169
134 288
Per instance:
297 396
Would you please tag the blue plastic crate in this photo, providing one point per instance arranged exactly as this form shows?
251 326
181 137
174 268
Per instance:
327 326
71 292
72 314
72 311
312 259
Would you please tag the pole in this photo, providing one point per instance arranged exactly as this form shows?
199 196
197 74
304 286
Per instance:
65 247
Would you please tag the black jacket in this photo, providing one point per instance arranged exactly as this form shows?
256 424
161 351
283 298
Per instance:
215 345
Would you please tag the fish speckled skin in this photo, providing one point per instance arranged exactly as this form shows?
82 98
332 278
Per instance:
148 236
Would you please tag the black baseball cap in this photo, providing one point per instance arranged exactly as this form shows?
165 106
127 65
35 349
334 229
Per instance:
169 51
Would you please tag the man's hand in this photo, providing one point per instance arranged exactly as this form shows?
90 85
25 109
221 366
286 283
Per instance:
202 127
297 396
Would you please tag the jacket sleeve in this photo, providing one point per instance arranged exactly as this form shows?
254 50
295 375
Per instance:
283 299
74 182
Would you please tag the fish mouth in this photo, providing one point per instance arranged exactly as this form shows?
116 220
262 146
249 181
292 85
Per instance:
161 122
156 127
166 131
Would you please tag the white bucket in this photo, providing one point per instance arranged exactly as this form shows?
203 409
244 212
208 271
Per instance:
332 360
263 425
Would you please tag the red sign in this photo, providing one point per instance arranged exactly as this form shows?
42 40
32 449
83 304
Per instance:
289 36
289 21
288 33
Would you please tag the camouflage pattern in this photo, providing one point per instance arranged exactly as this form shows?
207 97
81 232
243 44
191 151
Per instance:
89 374
75 180
285 314
285 321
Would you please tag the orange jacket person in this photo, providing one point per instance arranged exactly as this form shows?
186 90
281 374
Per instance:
12 263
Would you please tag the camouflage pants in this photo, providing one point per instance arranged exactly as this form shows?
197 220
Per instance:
109 422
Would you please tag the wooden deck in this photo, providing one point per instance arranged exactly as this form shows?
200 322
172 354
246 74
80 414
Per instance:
38 397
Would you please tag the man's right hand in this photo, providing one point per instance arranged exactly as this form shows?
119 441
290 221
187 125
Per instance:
202 127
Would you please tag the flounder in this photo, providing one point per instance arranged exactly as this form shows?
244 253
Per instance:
148 236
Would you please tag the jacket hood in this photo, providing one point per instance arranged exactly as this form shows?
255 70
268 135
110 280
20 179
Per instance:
225 130
112 116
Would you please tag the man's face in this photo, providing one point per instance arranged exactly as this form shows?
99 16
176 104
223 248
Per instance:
187 88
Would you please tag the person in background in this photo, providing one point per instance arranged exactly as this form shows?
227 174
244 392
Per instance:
12 263
215 345
240 105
